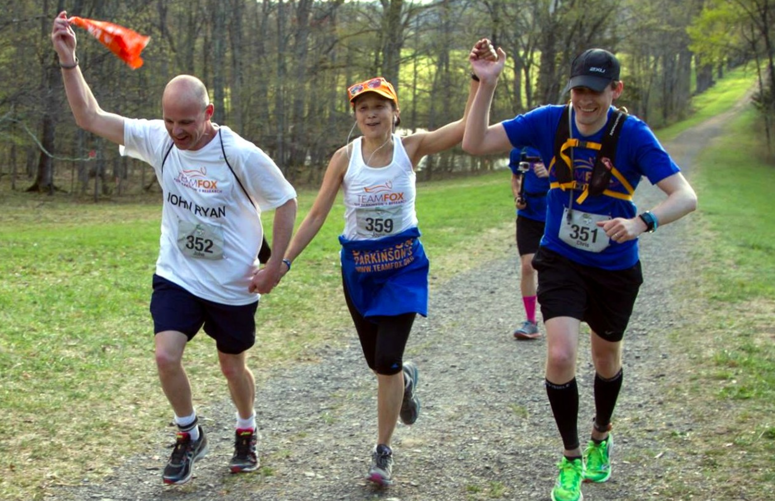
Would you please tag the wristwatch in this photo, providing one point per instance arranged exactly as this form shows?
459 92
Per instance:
650 220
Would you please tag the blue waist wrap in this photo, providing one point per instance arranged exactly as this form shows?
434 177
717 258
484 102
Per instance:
388 276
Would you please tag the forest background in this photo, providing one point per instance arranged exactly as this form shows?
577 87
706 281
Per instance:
277 71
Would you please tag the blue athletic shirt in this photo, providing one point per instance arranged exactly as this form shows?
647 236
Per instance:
535 187
638 154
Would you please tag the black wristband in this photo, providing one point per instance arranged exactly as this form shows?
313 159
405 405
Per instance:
69 66
474 77
287 263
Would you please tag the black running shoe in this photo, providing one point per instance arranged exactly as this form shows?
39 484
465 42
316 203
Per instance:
180 467
245 457
410 407
381 471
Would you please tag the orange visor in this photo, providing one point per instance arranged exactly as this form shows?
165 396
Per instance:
378 85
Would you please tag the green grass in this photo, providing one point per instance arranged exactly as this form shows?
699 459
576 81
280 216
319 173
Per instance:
738 268
715 101
731 342
736 189
76 350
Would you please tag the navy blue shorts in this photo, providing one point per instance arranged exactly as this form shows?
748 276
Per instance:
602 298
529 233
175 309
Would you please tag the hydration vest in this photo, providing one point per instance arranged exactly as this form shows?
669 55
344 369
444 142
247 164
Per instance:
603 168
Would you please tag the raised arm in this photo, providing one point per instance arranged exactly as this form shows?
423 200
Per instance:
314 220
87 112
427 143
480 138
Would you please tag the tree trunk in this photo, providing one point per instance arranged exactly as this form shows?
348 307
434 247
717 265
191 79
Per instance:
236 82
13 166
51 88
704 76
516 87
393 41
668 85
546 86
299 86
218 35
682 92
280 117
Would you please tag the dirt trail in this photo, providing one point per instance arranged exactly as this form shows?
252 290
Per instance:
485 431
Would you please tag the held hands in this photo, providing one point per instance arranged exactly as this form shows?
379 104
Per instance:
486 62
63 39
267 278
621 230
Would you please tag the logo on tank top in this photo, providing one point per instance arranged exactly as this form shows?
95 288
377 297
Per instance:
197 180
379 187
380 194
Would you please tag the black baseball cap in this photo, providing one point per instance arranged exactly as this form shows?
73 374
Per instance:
594 69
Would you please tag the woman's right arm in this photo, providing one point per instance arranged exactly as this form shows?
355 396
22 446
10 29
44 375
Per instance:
314 220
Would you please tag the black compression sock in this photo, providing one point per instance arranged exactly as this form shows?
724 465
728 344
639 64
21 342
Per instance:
564 399
606 395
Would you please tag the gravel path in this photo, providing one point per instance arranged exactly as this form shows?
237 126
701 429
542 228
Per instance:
485 431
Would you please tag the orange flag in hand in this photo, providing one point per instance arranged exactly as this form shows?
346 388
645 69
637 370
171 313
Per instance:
123 42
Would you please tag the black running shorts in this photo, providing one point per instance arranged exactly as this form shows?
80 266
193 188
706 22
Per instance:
602 298
173 308
529 233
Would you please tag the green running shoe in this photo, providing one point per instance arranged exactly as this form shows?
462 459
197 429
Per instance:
597 460
568 486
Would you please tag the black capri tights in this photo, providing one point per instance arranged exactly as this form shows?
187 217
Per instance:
383 338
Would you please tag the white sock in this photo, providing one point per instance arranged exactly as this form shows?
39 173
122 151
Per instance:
249 423
188 422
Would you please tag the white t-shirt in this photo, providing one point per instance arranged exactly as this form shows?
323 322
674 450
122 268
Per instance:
210 232
379 201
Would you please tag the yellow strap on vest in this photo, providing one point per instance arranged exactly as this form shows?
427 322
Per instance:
554 185
625 183
610 193
616 194
584 194
575 143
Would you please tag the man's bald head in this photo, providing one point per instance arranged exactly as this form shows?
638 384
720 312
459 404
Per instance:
186 89
187 111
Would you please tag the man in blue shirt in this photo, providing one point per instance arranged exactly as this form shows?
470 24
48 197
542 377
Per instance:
588 265
529 185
